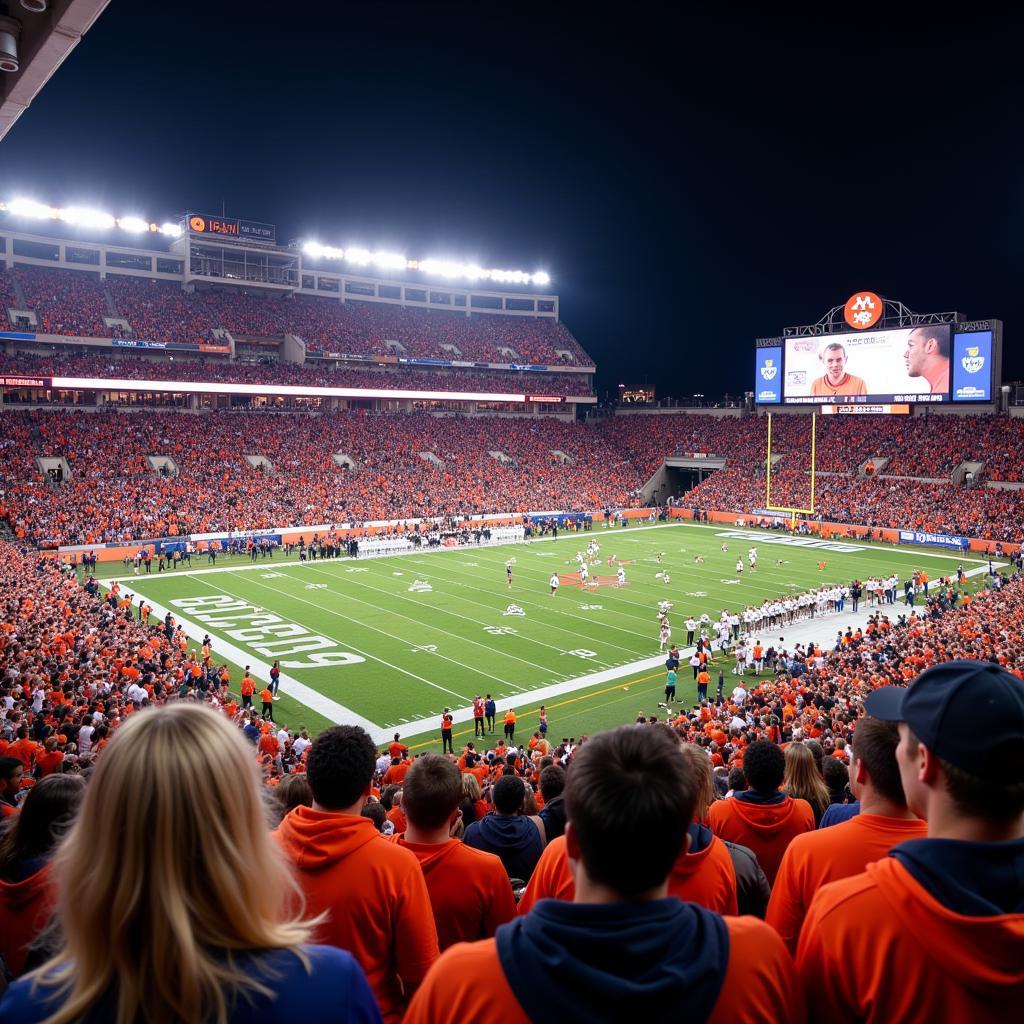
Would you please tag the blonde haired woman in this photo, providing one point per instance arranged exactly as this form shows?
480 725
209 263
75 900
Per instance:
802 779
172 897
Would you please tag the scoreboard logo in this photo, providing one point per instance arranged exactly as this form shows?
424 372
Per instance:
863 310
197 224
769 370
973 362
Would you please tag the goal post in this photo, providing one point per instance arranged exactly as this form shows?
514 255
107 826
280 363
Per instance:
794 512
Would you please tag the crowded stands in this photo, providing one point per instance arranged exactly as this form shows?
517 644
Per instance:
75 303
92 688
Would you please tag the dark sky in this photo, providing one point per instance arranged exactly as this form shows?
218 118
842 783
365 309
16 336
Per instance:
690 184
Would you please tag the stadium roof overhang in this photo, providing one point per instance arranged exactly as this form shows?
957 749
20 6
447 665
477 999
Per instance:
44 42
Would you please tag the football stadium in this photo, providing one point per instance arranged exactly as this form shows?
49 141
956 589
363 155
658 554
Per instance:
367 647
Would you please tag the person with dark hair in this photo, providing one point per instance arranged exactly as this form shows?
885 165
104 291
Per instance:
948 910
836 777
11 773
27 895
703 873
518 840
373 893
552 783
293 791
737 780
469 889
826 855
622 950
376 813
762 817
927 355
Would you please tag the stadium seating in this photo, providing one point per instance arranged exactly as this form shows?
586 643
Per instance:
74 303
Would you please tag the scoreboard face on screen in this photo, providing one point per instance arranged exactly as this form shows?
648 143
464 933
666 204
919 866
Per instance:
933 363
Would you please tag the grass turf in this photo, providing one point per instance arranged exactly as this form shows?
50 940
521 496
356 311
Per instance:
426 631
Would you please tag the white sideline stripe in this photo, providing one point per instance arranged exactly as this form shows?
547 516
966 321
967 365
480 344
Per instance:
331 710
421 725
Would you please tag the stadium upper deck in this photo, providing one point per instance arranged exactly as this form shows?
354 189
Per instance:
249 301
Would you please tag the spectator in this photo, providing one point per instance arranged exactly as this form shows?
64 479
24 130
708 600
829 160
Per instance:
761 817
947 909
469 890
621 950
702 874
372 892
518 840
802 780
824 856
144 935
26 846
552 784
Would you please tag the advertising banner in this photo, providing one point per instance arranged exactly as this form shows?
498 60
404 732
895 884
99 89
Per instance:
768 375
935 540
972 367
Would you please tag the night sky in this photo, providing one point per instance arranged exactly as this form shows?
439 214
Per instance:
689 186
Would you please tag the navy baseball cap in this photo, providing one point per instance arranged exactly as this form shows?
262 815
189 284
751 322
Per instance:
969 713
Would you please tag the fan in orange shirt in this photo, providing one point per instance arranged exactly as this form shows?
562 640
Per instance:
469 889
761 817
826 855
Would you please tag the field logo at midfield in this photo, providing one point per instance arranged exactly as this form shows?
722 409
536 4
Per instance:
420 587
500 630
793 542
267 634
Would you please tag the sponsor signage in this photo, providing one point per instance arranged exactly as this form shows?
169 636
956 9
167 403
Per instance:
972 367
545 398
863 310
230 227
768 375
25 382
136 343
937 540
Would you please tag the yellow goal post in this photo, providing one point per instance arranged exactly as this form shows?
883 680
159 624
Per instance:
794 512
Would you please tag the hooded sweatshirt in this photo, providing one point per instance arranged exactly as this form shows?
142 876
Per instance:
469 890
25 909
374 894
703 875
764 822
951 964
657 961
513 838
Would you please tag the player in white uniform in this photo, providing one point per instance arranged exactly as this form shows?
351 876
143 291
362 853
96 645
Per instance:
620 577
664 634
739 566
584 574
554 583
752 558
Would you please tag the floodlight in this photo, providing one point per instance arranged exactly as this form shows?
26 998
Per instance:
542 277
22 207
167 228
86 217
362 257
390 260
136 225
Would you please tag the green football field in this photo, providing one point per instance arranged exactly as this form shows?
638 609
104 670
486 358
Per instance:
390 642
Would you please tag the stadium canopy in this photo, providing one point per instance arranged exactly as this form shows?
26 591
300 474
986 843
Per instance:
43 39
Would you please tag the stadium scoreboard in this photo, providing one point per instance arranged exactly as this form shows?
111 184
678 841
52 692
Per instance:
880 370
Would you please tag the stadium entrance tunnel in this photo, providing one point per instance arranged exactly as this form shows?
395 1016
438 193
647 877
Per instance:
677 476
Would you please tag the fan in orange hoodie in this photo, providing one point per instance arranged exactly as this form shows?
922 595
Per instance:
935 931
372 890
469 889
27 896
761 817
